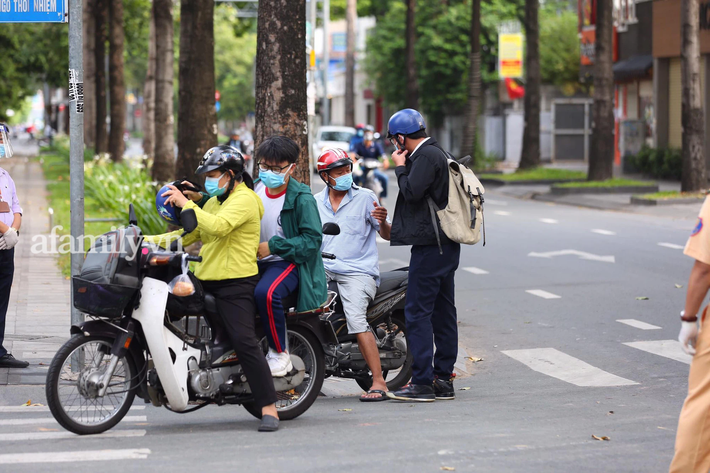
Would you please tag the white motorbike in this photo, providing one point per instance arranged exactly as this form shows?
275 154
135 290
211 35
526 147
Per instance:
143 340
364 169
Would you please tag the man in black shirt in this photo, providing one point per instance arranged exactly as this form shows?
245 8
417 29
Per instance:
430 312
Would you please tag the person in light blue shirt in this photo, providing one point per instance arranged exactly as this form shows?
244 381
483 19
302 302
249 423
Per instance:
356 267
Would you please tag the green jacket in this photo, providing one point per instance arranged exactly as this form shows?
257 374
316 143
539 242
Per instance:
303 230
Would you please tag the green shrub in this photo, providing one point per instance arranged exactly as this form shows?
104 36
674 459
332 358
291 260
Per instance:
661 163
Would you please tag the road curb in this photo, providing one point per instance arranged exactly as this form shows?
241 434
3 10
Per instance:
546 182
604 190
650 202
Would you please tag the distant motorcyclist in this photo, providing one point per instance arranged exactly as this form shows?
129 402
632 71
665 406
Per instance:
236 142
358 137
228 226
370 149
356 269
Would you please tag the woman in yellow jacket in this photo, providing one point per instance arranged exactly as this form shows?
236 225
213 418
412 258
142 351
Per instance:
228 226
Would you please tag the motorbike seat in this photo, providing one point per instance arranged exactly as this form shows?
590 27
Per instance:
392 280
210 304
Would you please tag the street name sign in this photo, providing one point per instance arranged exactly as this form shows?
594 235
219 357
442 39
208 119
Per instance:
33 11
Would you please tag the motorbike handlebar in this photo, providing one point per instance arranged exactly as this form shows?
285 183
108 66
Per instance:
327 256
196 259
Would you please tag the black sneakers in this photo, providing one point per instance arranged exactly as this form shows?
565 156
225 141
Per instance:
444 389
9 361
414 392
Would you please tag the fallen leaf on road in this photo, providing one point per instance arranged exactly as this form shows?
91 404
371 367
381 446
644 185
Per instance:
345 410
642 298
448 468
610 412
42 429
474 359
28 403
464 389
663 428
679 286
600 438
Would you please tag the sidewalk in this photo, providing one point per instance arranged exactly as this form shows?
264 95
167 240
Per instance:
38 318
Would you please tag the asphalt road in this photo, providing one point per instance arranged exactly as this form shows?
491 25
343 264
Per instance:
557 368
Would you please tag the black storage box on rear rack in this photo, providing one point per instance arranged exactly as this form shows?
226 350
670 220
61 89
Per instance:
110 275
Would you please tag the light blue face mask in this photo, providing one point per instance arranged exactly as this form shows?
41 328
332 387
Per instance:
344 183
2 151
273 180
212 186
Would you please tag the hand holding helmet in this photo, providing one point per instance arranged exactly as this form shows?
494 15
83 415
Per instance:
175 197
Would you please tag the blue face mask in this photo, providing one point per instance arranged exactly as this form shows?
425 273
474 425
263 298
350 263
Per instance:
273 180
343 183
212 186
2 151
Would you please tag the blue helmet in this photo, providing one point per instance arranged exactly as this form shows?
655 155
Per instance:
170 213
405 122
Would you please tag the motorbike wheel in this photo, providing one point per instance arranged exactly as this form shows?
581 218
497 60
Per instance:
71 393
405 372
293 403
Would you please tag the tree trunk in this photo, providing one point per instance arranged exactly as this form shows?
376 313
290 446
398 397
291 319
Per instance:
693 177
474 83
101 20
117 86
350 19
164 162
89 74
601 158
530 157
412 98
281 76
148 121
197 123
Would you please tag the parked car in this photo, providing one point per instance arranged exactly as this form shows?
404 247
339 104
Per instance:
332 137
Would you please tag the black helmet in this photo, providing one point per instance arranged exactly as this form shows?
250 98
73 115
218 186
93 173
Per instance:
222 158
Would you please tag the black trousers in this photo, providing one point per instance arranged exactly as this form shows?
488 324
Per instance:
430 311
7 270
236 306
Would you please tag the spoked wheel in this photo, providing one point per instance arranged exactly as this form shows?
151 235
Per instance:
73 386
293 403
395 379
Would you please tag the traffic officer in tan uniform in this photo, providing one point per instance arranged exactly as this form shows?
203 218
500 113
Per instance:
692 448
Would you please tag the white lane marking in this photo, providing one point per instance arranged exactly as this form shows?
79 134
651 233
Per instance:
396 261
543 294
603 232
50 420
672 246
581 254
666 348
24 436
496 202
548 220
473 270
28 409
501 212
78 456
567 368
638 324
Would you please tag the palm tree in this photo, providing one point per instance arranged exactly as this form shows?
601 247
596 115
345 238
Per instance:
89 33
474 82
117 85
148 121
164 157
601 158
101 36
531 132
350 19
693 177
412 98
197 123
281 84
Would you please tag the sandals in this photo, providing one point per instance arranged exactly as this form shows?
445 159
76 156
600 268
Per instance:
383 396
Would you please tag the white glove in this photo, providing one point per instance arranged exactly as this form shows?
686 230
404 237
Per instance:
688 335
10 238
3 243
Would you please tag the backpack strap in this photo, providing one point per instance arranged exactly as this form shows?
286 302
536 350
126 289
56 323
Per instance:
432 209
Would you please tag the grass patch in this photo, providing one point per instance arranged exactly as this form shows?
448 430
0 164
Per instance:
605 184
669 195
537 174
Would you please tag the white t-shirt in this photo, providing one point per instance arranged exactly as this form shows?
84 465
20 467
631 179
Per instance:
271 221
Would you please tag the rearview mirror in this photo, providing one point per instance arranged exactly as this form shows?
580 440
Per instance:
188 218
132 219
331 228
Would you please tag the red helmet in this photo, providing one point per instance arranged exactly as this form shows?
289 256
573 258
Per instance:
360 126
331 159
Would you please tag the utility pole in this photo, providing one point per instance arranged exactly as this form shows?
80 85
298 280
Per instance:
76 142
326 61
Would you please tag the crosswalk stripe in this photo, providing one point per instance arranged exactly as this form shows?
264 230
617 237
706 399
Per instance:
638 324
567 368
666 348
77 456
473 270
543 294
672 246
603 232
24 436
29 409
548 220
501 212
50 420
496 202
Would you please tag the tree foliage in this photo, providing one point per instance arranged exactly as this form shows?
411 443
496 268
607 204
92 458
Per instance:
559 50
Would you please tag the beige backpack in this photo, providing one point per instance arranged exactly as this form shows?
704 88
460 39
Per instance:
462 219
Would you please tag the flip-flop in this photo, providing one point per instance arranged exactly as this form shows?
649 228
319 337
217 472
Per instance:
383 396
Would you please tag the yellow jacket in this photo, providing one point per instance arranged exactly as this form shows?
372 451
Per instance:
229 235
